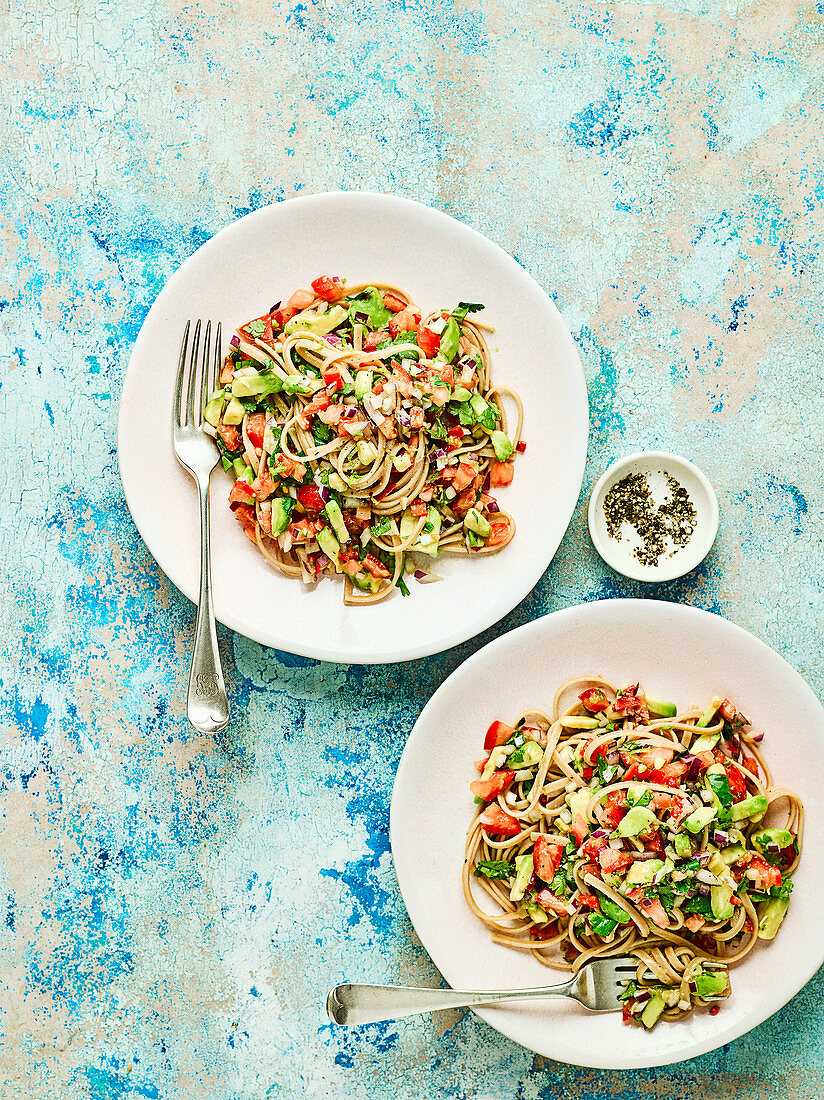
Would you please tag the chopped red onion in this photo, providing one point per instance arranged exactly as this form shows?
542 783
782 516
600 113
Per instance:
235 341
274 307
703 857
492 508
693 987
703 890
600 833
721 838
616 844
772 848
419 574
644 855
403 418
660 874
321 561
361 318
641 997
613 758
486 483
333 339
757 738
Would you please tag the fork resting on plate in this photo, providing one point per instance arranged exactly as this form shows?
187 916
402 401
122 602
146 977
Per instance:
207 707
597 986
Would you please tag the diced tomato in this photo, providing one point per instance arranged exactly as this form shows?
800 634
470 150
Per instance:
255 427
481 764
546 857
552 903
245 514
497 734
594 699
227 370
750 763
375 566
694 922
263 486
310 498
242 492
652 908
393 302
406 320
588 901
738 787
444 371
520 446
579 828
418 508
496 821
592 846
499 533
290 468
672 802
464 501
373 339
490 788
416 417
403 379
543 931
265 521
613 809
766 875
428 341
652 839
282 315
301 299
463 477
332 378
501 473
328 287
267 336
230 436
612 861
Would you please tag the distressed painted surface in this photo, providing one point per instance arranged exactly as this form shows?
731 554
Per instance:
175 907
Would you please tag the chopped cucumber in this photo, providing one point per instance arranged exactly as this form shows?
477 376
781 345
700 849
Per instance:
523 869
335 517
652 1010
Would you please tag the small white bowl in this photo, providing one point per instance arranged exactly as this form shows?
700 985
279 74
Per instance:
620 553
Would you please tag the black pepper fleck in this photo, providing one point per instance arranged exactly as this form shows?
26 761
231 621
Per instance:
630 501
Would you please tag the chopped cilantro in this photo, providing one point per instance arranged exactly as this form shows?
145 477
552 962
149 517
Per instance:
494 868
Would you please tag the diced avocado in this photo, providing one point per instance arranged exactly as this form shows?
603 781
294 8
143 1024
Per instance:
613 911
450 337
319 323
366 453
329 544
722 907
256 384
529 754
705 743
460 394
652 1010
234 413
535 911
335 517
778 838
661 708
299 383
282 510
243 470
711 983
365 582
579 722
770 915
730 855
483 412
474 521
523 869
637 821
213 409
642 871
682 845
753 806
427 541
503 448
708 715
337 483
699 819
579 802
364 381
716 864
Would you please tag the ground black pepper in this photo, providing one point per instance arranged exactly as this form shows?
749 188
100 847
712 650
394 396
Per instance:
630 501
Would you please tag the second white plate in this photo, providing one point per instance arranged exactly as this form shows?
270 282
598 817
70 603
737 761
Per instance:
678 653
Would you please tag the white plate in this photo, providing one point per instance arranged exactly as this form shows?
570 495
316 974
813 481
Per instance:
238 275
678 653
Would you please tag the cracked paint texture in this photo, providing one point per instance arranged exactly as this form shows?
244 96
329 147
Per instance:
174 907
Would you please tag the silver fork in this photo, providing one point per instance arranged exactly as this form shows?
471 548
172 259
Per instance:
596 987
206 704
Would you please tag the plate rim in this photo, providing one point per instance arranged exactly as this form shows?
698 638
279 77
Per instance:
807 968
529 578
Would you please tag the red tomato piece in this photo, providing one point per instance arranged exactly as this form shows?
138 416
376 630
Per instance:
546 857
501 473
594 699
613 809
497 734
263 486
255 427
241 492
267 336
579 829
230 436
406 320
393 302
499 533
332 378
428 341
375 566
490 788
547 900
463 477
310 498
612 861
736 781
496 821
520 446
328 287
245 514
373 339
588 900
592 846
766 874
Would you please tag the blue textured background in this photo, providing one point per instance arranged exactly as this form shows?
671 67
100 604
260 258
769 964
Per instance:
658 168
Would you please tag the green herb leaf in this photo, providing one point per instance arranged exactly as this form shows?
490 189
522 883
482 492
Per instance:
494 868
601 925
256 328
630 989
720 787
460 312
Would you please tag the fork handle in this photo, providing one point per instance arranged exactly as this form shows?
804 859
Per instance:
206 704
368 1004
